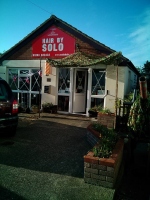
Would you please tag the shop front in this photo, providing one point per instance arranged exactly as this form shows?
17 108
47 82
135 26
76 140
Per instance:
80 89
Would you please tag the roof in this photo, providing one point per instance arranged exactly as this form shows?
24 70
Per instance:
81 59
53 20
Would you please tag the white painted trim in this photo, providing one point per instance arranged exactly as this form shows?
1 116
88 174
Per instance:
71 91
89 91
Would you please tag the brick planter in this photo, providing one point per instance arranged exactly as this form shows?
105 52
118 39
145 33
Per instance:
103 171
106 119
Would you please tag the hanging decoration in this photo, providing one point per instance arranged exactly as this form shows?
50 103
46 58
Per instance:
40 73
15 78
81 59
24 80
27 80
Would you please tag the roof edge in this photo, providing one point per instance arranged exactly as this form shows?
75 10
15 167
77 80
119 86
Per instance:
42 27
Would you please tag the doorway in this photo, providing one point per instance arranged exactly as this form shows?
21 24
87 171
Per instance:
80 91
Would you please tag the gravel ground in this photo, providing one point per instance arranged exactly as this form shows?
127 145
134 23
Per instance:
45 160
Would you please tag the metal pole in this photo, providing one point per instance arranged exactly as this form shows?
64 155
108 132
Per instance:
116 97
40 88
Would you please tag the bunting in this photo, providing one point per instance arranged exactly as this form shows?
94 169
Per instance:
27 80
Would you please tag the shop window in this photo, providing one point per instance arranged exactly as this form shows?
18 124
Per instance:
25 79
24 83
64 81
24 72
35 99
98 82
36 80
13 78
80 82
63 103
97 102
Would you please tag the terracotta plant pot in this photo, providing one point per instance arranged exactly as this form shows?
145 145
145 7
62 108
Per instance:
143 87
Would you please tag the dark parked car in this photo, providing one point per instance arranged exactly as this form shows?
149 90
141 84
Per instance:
8 109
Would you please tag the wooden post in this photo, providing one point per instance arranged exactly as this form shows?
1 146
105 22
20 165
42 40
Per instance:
116 97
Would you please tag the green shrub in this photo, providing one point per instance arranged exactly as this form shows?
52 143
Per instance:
47 105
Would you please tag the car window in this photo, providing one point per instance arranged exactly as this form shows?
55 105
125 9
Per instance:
5 91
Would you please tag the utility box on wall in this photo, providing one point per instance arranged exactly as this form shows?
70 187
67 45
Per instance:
50 89
47 89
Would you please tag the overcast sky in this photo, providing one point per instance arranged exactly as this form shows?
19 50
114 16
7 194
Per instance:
123 25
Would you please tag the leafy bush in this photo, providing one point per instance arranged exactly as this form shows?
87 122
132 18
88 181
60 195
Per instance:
47 105
96 108
99 108
128 97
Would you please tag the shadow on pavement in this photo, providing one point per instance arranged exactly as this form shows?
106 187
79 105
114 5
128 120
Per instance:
7 194
48 147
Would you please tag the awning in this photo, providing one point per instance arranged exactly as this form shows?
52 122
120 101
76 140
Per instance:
81 59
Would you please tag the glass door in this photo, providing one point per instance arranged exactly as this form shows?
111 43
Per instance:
79 95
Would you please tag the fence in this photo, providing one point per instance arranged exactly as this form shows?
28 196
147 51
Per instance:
123 114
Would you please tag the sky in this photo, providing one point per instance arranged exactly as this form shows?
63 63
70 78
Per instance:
122 25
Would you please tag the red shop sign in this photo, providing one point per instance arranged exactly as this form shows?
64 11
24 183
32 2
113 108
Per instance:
53 43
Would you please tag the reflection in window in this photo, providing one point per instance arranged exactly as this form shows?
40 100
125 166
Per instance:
36 80
24 72
13 79
64 81
26 80
35 99
97 102
98 82
24 100
63 103
24 83
80 81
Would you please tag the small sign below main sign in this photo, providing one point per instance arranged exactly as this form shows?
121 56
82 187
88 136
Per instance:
53 43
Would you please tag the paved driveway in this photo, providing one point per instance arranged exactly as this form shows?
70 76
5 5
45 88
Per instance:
45 160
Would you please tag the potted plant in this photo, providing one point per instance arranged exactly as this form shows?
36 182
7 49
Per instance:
35 108
93 111
49 107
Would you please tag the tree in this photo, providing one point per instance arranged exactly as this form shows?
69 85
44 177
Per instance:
139 69
146 72
146 68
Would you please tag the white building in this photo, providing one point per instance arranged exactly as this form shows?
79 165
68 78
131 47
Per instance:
64 66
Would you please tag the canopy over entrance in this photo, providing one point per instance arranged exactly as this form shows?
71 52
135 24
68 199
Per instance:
81 59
